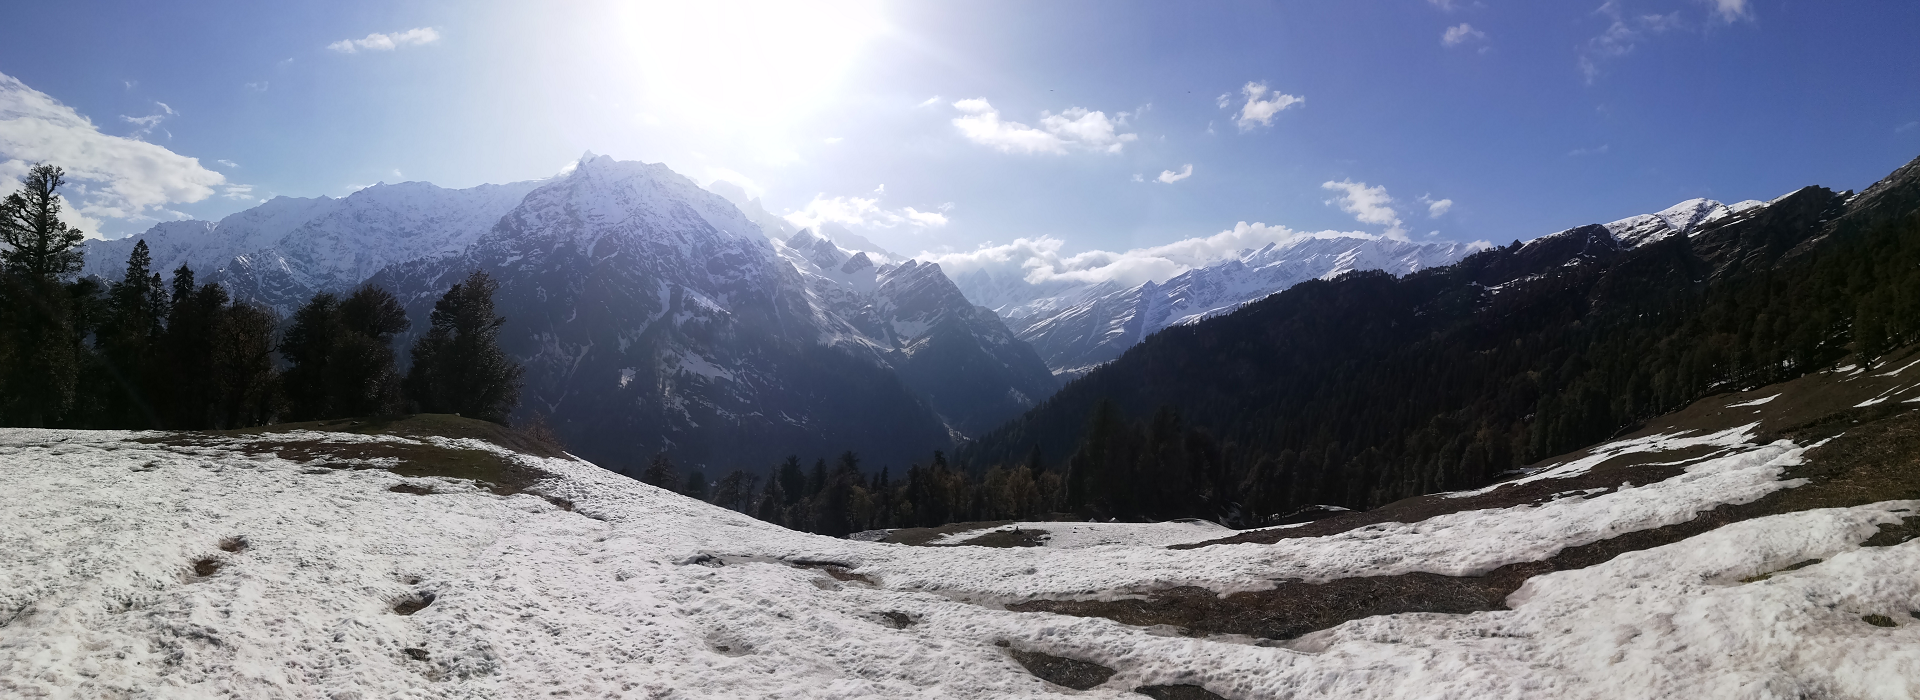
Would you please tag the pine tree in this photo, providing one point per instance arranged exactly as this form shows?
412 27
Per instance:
661 472
360 367
458 366
792 481
340 356
695 485
306 347
39 341
128 339
38 243
246 388
187 352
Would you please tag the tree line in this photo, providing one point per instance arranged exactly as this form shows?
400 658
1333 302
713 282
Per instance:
173 353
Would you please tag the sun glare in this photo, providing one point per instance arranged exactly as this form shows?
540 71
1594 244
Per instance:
744 65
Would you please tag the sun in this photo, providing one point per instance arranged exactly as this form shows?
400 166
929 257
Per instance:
743 65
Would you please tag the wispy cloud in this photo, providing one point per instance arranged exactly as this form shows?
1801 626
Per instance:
1259 109
256 87
1460 34
865 212
1594 151
1436 207
1073 128
114 177
227 163
1170 177
144 126
1904 128
929 102
1623 33
1368 205
420 36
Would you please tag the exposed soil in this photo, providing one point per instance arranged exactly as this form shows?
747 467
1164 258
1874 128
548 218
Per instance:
206 566
1007 538
1177 692
898 620
1059 670
498 474
1873 455
414 603
920 536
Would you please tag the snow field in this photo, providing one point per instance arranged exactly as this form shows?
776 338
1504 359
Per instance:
99 599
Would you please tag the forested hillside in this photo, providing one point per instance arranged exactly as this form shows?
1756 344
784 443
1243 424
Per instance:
1368 388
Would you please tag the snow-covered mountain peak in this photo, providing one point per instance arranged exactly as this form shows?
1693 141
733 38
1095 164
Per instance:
1682 219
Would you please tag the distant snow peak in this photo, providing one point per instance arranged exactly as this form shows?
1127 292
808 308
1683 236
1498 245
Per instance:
1077 327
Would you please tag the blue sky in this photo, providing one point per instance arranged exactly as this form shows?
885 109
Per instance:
951 126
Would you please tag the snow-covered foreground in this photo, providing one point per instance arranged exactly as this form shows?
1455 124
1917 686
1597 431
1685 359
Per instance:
641 593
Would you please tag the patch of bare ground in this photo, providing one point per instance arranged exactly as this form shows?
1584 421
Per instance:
1015 537
1059 670
1177 692
920 536
924 536
498 474
413 603
1872 454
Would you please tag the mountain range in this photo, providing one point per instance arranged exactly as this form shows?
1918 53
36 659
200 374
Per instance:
652 315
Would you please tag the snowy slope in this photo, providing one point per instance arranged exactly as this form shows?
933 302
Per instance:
1077 329
283 251
635 592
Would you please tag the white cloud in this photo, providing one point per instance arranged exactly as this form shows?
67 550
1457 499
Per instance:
882 189
111 177
864 212
832 140
1444 5
1731 10
1259 112
1073 128
1436 207
1596 150
924 219
1368 205
1621 36
1170 177
1461 34
241 192
934 100
1039 260
420 36
227 163
257 87
1138 178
